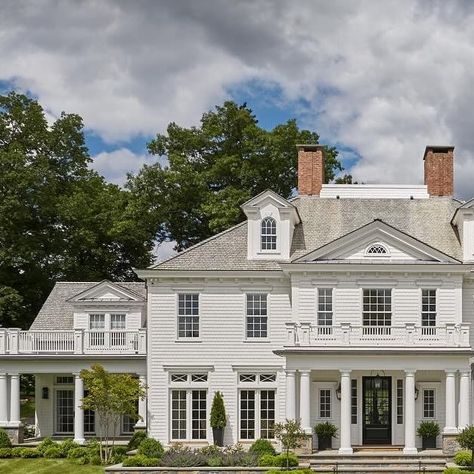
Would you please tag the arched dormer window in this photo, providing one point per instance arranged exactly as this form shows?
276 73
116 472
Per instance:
268 237
377 250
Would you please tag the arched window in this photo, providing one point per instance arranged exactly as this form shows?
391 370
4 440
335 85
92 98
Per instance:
268 234
377 249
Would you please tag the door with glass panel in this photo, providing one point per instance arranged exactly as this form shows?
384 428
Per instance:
64 411
97 330
377 410
117 327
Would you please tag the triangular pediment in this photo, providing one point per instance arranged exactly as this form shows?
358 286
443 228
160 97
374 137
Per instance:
377 242
106 291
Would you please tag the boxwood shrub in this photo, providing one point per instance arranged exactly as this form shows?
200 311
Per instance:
5 441
261 447
5 453
463 458
139 460
53 453
151 448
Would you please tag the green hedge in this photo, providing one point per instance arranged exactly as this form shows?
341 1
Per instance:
463 458
267 460
139 460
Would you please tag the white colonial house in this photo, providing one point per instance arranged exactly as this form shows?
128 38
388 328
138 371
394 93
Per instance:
348 303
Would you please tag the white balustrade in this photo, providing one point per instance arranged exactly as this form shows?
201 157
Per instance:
346 334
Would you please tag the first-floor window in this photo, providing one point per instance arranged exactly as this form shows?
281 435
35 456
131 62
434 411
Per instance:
64 411
325 403
188 405
399 402
257 414
354 401
89 418
128 424
429 407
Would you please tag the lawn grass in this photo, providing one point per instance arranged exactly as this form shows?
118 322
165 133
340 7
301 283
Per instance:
45 466
27 409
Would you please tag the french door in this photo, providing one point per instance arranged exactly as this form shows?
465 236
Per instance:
377 410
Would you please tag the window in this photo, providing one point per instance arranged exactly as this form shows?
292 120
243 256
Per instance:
188 315
117 322
428 311
324 403
268 234
256 315
247 414
267 414
128 424
89 418
354 401
64 411
400 402
429 410
267 378
199 378
97 327
179 377
324 306
178 414
199 414
377 307
64 380
247 378
376 250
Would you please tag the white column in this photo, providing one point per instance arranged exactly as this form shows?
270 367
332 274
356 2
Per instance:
345 447
410 424
464 398
290 394
78 411
3 399
305 400
450 426
15 399
141 423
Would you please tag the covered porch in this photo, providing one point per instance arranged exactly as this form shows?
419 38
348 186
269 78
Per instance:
378 399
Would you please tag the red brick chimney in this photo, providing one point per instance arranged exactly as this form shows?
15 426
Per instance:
439 170
310 169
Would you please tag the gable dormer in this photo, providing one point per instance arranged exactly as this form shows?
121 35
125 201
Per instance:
271 223
464 221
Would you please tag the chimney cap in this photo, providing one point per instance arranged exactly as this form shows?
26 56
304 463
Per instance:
309 146
437 149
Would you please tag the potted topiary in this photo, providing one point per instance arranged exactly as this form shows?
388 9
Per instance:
218 419
428 431
325 432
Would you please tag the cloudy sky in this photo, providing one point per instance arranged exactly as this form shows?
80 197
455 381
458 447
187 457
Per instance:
379 80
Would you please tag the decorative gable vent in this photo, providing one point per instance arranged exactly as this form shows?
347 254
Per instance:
376 250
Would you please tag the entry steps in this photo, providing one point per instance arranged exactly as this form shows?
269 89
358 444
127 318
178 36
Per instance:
374 462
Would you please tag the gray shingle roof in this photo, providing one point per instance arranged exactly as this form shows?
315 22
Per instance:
325 220
57 311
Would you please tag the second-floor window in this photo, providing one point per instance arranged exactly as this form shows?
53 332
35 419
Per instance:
268 234
428 310
188 315
377 307
257 316
324 306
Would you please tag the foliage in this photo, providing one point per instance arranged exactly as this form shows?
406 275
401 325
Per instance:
5 441
293 471
77 453
27 389
466 441
53 453
110 396
45 466
183 456
266 460
26 453
455 470
29 431
139 460
290 435
280 460
216 167
151 447
5 453
463 458
66 446
59 220
46 444
428 429
218 415
325 430
136 439
262 446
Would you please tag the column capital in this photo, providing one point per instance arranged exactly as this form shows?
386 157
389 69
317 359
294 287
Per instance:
465 372
345 372
410 372
450 372
290 372
305 372
14 374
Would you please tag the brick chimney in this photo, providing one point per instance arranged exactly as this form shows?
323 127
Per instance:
439 170
310 169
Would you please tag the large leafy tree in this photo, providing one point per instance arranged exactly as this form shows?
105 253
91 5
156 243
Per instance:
58 219
216 167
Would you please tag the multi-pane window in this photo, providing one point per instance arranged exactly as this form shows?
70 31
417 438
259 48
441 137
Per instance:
376 249
117 325
128 424
267 414
268 234
257 316
64 380
97 327
64 411
428 310
247 414
89 418
325 306
178 414
325 403
377 307
354 401
199 414
399 402
429 407
188 315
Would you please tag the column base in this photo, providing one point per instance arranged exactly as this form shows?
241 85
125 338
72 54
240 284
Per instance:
80 440
14 431
450 444
410 451
345 451
450 430
140 425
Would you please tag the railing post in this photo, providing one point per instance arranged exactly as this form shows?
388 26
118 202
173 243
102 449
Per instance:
450 329
305 333
291 334
346 333
3 341
78 341
464 334
142 341
14 335
410 332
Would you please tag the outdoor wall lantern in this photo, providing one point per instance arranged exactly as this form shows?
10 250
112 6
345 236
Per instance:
377 382
338 392
45 393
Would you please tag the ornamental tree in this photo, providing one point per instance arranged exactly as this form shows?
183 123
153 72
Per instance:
466 441
290 435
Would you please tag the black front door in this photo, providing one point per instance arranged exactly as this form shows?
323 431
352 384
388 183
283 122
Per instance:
377 410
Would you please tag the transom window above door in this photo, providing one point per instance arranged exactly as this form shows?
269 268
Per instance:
377 307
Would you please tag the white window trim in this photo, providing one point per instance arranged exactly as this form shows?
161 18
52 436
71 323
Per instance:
277 250
55 409
436 386
257 339
258 399
183 338
326 386
107 320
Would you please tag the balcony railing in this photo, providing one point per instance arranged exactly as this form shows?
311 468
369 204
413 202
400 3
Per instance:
78 341
348 335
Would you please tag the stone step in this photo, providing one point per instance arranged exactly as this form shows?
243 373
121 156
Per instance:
371 461
379 470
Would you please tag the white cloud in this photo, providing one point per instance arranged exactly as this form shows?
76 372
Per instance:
385 78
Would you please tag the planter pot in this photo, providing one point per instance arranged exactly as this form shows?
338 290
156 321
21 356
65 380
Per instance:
324 443
428 443
218 434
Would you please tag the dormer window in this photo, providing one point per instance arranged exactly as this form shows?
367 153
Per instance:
377 250
268 234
